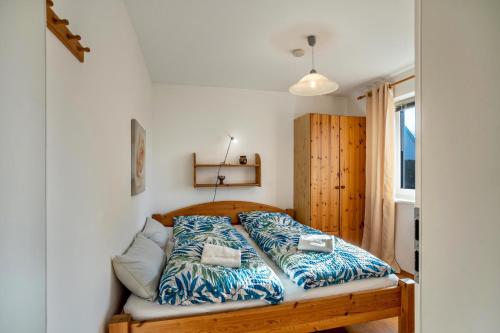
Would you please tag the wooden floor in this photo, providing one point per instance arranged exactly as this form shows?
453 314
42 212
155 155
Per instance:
380 326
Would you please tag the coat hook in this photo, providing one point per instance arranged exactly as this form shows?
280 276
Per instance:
84 49
59 21
70 36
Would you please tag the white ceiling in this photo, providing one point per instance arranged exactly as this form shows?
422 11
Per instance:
247 43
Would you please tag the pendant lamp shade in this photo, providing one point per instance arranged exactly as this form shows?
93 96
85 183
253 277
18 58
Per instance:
313 84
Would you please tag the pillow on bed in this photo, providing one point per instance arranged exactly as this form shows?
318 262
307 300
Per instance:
156 231
262 218
200 228
140 268
201 219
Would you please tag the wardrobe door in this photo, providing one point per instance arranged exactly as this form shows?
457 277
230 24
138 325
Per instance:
325 201
302 169
352 177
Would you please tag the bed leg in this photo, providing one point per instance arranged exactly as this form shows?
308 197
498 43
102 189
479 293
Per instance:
119 323
406 320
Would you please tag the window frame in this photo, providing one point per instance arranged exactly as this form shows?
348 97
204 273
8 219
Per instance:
401 194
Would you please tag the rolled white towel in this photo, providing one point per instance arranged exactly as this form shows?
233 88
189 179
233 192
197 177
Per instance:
221 255
317 243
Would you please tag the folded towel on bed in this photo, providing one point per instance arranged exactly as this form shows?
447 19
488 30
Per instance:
221 255
317 243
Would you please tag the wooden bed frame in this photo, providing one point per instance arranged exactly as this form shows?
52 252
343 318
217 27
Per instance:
297 316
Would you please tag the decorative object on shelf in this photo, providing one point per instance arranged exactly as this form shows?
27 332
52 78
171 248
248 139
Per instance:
59 28
221 179
243 159
138 158
256 167
313 84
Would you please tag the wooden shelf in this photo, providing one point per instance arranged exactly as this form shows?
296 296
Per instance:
256 166
226 165
227 185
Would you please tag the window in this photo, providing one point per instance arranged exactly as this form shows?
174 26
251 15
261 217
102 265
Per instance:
405 147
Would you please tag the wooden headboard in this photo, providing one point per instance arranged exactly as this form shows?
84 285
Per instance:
219 208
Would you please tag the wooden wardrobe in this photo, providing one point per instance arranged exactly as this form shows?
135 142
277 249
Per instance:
329 174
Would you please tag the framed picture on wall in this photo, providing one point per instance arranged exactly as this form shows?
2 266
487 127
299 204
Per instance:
138 158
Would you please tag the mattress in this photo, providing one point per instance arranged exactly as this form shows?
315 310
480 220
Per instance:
141 309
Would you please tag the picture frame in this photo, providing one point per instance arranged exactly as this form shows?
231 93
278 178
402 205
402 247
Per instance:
138 163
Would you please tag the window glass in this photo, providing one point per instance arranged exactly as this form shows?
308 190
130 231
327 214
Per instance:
407 144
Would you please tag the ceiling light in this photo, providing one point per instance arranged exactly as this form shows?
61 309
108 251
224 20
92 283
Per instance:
313 84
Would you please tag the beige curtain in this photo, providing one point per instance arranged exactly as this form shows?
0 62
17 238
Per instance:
379 230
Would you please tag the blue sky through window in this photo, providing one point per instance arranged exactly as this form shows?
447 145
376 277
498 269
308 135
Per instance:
410 120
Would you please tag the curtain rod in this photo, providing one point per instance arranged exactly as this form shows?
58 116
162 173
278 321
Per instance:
390 86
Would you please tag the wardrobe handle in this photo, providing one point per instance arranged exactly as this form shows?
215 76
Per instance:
337 187
343 186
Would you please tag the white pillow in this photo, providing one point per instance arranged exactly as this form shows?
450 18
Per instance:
140 268
156 231
169 248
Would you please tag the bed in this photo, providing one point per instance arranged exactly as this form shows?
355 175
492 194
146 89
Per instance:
302 311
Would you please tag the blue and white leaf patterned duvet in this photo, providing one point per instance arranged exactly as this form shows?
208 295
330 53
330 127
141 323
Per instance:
277 234
187 281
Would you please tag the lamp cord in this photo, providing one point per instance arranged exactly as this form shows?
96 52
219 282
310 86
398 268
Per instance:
312 54
220 166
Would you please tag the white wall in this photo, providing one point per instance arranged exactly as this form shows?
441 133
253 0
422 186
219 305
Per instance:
404 87
91 214
22 166
405 235
196 119
460 183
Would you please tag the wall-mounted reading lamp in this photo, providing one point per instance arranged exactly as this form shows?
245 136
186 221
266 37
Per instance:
219 177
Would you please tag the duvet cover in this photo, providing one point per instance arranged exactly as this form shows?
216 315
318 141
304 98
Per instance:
277 234
186 281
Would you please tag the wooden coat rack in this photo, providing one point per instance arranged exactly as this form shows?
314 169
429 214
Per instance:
60 28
